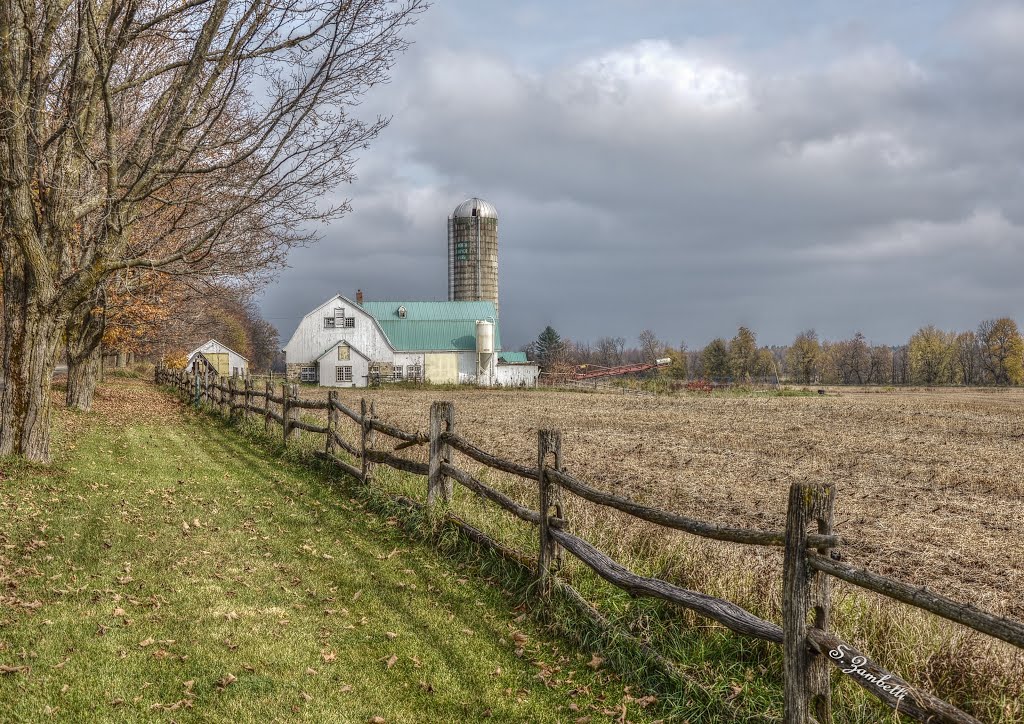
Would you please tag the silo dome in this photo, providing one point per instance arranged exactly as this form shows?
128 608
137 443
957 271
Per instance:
475 207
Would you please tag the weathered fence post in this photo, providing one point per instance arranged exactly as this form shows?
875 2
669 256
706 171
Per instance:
368 437
549 442
233 397
806 677
269 389
332 422
195 388
291 393
246 397
442 419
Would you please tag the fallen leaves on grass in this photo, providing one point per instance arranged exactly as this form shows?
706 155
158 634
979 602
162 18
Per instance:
391 661
226 681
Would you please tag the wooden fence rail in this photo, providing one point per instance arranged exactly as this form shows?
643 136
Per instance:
808 542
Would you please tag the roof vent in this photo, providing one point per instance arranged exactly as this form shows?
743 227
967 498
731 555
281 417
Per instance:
401 312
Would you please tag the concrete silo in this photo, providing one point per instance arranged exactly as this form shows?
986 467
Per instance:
473 252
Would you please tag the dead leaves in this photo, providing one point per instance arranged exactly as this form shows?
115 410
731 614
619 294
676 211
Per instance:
595 662
226 681
391 661
5 669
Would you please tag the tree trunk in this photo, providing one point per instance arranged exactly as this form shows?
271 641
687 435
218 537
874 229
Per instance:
83 376
84 351
31 336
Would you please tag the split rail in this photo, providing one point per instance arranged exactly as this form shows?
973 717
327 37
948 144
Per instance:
810 546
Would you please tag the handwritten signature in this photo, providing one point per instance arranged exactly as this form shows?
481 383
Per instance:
857 668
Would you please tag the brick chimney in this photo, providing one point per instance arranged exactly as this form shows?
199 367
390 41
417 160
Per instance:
359 297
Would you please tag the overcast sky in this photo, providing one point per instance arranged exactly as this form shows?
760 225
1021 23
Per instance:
694 165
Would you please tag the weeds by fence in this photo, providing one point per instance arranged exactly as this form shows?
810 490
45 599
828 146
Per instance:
811 548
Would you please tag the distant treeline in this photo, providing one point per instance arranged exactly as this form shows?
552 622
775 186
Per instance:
992 354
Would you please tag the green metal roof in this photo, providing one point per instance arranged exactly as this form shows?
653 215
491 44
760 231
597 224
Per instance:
513 357
432 326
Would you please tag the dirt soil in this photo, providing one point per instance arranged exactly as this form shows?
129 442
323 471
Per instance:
930 483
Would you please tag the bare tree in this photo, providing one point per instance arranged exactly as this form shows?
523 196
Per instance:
966 357
853 360
609 351
221 123
650 345
881 365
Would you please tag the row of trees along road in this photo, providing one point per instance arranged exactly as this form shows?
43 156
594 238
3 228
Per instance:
993 354
190 139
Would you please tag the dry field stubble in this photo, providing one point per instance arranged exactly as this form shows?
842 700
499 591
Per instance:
929 483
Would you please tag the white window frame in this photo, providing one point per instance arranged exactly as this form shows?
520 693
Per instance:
343 373
307 373
396 373
414 372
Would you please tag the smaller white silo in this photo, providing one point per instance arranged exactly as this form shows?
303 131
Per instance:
484 351
484 336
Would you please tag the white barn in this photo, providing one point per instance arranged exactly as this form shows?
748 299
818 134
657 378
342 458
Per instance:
217 358
342 343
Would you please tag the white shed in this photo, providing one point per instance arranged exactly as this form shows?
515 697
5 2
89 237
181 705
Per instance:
218 358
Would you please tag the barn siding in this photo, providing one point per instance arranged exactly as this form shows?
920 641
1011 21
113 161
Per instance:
517 375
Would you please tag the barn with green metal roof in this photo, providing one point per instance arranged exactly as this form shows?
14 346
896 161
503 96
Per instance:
354 343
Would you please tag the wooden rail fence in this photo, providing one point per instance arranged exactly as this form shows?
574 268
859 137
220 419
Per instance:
808 542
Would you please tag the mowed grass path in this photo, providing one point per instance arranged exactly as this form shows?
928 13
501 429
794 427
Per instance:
164 569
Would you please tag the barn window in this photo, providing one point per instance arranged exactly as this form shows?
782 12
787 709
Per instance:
344 352
339 322
397 373
415 372
343 374
307 374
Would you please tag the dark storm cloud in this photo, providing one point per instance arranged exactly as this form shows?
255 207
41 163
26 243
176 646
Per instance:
690 186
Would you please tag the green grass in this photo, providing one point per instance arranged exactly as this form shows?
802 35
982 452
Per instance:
172 570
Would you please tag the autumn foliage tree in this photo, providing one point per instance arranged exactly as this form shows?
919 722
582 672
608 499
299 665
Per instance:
1001 351
219 123
931 356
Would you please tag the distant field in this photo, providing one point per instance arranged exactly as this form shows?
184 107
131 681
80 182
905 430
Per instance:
931 481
